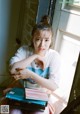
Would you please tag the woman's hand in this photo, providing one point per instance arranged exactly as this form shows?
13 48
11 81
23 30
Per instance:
40 61
22 74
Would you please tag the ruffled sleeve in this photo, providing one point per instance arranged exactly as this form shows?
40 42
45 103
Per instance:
21 54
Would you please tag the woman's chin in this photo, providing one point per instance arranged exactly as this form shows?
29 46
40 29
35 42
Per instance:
42 53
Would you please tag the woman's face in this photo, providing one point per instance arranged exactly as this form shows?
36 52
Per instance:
42 41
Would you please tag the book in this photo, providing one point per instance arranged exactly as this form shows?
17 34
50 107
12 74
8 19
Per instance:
25 105
36 94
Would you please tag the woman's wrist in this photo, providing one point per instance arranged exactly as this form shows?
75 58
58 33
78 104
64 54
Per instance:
29 74
36 56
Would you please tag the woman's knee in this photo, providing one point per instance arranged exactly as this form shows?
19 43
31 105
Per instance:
15 111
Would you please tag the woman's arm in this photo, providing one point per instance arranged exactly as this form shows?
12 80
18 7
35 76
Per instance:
21 59
23 63
47 83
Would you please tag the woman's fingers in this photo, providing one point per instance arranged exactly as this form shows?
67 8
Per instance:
17 77
18 69
23 74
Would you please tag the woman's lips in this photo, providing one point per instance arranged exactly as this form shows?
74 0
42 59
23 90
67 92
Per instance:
41 49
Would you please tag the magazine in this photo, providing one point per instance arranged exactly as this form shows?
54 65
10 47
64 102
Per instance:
36 94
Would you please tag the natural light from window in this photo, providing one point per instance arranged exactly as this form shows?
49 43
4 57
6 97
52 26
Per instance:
69 51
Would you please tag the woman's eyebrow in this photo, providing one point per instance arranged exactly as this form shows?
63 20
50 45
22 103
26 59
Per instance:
46 37
42 37
37 37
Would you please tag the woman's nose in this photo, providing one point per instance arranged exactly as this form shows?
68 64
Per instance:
42 43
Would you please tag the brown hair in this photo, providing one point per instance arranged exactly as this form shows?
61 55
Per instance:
43 25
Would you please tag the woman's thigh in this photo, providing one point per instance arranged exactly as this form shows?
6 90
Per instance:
46 111
18 111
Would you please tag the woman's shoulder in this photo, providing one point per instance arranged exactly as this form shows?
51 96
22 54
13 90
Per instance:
53 52
55 56
23 48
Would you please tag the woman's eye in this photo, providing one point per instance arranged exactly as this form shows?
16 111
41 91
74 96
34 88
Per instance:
37 39
46 40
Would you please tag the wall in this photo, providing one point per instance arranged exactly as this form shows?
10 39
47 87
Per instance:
31 7
43 8
5 10
9 14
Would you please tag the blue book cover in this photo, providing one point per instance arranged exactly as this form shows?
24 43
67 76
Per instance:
19 95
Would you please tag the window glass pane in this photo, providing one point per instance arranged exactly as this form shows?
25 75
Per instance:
72 6
75 3
69 51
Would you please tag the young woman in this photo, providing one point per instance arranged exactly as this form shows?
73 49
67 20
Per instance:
40 66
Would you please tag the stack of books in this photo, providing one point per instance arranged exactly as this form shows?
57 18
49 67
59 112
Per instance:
27 99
